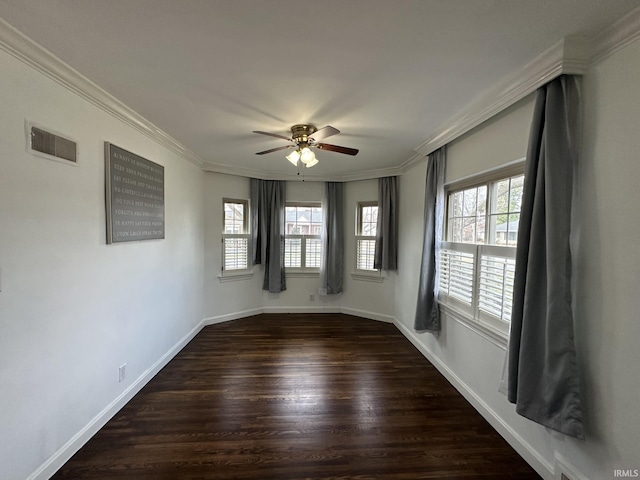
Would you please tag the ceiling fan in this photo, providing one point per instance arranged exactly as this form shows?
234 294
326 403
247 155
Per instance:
304 137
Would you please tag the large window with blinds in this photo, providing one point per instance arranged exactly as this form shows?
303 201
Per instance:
235 235
366 222
303 247
477 258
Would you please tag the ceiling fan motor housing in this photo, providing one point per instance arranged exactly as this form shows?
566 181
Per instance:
300 133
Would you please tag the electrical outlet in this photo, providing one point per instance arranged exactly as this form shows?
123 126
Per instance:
312 297
566 471
122 372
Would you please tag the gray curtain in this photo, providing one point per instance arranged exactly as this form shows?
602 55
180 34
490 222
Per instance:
386 252
427 311
542 370
332 265
268 224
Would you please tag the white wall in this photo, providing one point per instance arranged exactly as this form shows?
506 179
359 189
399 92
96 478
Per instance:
607 321
226 300
362 297
607 327
497 141
73 309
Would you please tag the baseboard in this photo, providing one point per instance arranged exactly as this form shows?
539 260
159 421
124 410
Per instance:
232 316
64 453
537 462
319 309
369 315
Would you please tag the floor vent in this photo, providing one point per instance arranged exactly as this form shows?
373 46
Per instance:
52 145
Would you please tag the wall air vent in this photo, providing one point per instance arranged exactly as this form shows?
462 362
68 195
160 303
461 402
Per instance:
51 145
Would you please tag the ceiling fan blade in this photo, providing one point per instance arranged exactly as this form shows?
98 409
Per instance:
275 149
277 135
323 133
336 148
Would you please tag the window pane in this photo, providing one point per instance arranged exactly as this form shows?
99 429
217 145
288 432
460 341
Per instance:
457 230
456 211
515 200
504 218
368 220
512 230
469 202
467 211
303 220
234 217
501 223
482 200
480 229
469 229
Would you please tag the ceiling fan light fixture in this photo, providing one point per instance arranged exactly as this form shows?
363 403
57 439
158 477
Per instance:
312 163
293 157
306 155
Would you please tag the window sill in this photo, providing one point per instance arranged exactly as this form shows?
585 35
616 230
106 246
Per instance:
302 273
368 276
494 336
235 276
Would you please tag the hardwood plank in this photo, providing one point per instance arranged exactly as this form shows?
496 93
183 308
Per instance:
298 397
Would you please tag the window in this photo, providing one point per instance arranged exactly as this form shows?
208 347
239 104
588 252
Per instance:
477 258
235 235
302 245
366 222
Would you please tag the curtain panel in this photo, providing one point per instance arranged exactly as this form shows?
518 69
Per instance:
268 229
386 251
332 264
427 310
542 368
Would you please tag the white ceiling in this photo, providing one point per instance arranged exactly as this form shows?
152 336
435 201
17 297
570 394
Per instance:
387 73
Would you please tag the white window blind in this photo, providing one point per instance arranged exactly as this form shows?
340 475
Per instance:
313 252
235 252
495 291
365 251
302 251
293 252
457 272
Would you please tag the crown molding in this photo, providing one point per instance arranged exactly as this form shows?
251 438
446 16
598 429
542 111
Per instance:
617 36
568 56
571 55
414 160
350 177
21 47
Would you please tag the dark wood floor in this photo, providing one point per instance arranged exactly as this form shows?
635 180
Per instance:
298 397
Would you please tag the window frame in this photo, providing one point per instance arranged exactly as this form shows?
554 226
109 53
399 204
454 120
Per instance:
229 272
471 313
302 269
359 237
